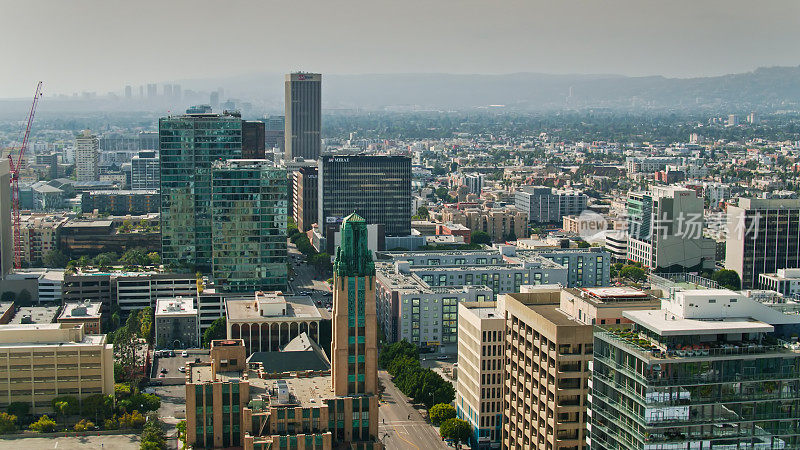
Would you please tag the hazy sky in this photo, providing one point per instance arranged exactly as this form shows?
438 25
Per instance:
101 45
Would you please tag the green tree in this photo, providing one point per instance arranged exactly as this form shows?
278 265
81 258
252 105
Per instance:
153 436
44 425
8 297
480 237
146 324
61 408
84 425
8 423
19 409
422 213
135 257
456 429
55 259
155 258
728 279
24 298
104 261
217 330
633 273
180 427
441 412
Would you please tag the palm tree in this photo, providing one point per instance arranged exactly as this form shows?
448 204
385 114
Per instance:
61 407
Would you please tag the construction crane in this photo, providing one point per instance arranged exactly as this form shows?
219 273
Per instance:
15 167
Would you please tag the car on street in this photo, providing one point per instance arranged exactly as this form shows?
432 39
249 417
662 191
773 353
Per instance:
164 370
182 369
161 375
184 353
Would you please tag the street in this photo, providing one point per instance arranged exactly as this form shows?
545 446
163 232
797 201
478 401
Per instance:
395 429
303 280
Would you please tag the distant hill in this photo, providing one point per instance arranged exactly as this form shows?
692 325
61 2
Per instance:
764 89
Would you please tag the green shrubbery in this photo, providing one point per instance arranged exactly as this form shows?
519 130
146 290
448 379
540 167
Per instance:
425 386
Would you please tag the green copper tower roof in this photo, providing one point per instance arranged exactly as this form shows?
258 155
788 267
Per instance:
353 257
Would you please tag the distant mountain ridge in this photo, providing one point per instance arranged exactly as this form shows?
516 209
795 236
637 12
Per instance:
768 88
764 89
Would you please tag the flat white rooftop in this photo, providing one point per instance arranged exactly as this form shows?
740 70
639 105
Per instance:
664 323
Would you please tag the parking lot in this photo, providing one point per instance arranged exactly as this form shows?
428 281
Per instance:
173 364
113 441
173 401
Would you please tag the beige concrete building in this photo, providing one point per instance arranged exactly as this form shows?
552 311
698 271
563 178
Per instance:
604 305
500 224
43 361
39 233
479 390
87 313
547 356
270 320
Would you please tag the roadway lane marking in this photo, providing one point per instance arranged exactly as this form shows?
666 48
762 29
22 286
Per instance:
406 440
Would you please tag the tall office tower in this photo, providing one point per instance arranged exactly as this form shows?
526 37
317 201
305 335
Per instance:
190 144
763 235
6 230
378 188
304 195
167 91
354 346
274 132
303 115
128 92
665 229
145 170
152 90
711 369
249 225
176 92
214 99
141 91
253 140
87 157
733 120
544 204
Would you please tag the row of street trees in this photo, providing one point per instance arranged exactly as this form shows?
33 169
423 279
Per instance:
425 386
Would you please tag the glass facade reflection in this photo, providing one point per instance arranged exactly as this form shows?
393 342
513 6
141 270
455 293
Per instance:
189 144
249 210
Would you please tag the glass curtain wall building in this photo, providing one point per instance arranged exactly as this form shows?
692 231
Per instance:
189 145
713 369
249 225
378 188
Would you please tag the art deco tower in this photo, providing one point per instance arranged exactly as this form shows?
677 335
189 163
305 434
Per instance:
354 350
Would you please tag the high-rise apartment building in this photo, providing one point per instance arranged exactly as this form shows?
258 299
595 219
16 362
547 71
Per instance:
665 230
248 235
545 375
711 369
303 115
145 170
763 235
479 391
304 191
544 204
189 145
87 157
378 188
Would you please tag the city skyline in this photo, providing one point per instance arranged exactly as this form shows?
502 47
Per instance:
471 37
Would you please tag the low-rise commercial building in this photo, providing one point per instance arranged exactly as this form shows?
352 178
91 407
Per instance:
87 313
42 361
269 320
784 281
177 323
120 203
